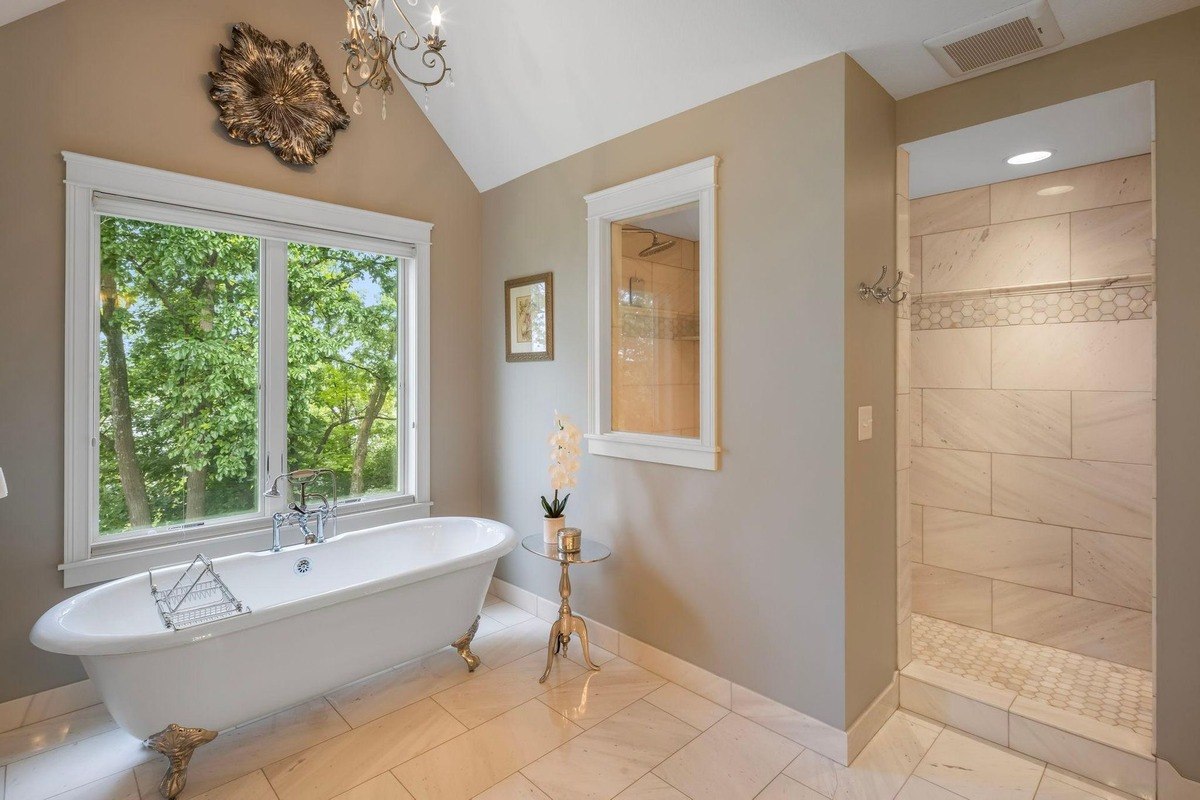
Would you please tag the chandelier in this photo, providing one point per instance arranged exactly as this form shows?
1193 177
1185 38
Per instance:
372 55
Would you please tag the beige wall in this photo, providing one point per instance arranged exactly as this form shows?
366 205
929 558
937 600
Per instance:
870 344
1164 51
741 571
1033 411
126 79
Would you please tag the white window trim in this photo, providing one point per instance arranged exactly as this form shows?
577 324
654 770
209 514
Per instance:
694 182
93 182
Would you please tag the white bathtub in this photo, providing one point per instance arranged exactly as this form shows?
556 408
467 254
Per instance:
371 599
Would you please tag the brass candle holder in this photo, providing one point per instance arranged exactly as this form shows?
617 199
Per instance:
570 540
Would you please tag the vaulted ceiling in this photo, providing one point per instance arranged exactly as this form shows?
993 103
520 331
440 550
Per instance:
538 80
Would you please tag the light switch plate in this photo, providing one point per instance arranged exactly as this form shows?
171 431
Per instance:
866 423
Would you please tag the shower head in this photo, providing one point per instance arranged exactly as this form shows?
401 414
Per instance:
655 245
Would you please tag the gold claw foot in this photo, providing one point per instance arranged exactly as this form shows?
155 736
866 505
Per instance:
463 645
178 744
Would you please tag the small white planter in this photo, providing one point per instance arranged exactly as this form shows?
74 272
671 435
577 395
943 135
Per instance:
550 528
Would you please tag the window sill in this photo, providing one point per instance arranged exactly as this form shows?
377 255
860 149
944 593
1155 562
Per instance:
106 566
657 449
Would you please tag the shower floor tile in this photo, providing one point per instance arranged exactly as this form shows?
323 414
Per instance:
1110 693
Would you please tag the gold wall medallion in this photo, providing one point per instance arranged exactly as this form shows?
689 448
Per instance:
274 94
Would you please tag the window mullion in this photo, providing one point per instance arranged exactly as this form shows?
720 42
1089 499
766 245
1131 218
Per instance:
273 367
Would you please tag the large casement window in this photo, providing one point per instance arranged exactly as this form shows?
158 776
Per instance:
218 336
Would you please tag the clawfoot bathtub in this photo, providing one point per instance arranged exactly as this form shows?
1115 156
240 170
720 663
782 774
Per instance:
321 616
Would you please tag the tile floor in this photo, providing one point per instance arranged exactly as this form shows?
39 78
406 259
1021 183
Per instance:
1110 693
428 730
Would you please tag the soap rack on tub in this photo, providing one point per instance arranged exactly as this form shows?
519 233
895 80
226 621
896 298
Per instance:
197 598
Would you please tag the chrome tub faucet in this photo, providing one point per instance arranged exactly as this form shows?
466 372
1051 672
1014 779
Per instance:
301 512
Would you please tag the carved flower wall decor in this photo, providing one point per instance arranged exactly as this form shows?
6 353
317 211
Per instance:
270 92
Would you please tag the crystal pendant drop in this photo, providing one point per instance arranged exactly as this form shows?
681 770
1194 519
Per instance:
358 104
345 84
364 71
383 109
426 99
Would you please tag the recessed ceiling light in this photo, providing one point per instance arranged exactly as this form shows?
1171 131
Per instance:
1050 191
1029 158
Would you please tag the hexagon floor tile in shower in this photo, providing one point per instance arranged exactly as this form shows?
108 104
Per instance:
1107 692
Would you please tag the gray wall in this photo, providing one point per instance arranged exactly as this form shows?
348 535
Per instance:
1166 52
741 571
83 76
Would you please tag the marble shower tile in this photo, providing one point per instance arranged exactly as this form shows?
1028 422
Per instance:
954 709
687 706
998 421
1110 242
1114 767
903 443
914 261
1013 254
956 479
951 211
1095 495
953 596
953 359
917 532
733 760
1112 568
345 761
903 582
1113 426
594 696
904 652
1082 356
1011 550
361 702
1088 727
1070 623
1125 180
611 756
916 404
1058 784
903 502
467 765
979 770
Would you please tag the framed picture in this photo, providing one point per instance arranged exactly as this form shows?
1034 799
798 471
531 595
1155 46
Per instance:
529 318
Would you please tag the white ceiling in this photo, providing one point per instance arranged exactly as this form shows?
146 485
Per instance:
1091 129
538 80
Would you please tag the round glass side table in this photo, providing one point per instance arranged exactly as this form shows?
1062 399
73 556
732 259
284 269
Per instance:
567 623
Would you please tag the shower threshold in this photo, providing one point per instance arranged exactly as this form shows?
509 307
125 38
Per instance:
1049 703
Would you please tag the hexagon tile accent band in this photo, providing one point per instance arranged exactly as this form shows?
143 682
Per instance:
1036 308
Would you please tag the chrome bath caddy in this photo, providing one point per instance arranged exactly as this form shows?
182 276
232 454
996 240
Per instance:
197 598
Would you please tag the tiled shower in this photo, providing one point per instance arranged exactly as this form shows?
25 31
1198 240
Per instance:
1029 447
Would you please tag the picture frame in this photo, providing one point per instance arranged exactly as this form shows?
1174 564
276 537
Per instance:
529 318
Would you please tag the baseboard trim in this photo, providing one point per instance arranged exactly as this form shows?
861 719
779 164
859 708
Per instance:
1173 786
42 706
841 746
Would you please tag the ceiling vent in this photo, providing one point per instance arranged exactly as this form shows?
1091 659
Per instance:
1015 35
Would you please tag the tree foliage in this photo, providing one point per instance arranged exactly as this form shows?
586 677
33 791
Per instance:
179 370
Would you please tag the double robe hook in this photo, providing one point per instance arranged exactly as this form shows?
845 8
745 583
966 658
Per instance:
880 294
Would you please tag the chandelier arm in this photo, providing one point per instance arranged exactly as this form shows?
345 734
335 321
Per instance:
430 58
399 40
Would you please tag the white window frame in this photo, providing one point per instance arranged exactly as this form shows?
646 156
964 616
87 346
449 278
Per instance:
96 187
695 182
